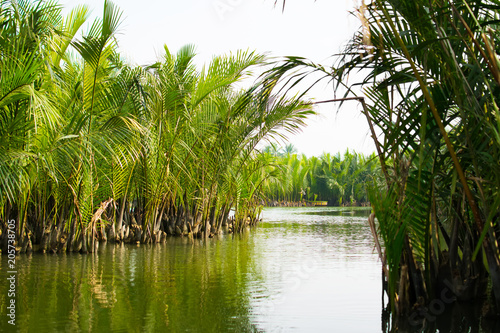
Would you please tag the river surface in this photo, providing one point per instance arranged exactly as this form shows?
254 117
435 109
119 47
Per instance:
300 270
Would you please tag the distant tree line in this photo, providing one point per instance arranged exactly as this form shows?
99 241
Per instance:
338 179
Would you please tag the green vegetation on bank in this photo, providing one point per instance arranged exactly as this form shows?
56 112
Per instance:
431 81
337 179
93 149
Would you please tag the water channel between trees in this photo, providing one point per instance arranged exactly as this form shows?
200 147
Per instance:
301 270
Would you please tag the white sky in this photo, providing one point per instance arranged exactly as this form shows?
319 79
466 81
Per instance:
312 29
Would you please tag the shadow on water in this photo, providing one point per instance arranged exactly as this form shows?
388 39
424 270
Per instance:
463 317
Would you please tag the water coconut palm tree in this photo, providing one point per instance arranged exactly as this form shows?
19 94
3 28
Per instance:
430 82
94 149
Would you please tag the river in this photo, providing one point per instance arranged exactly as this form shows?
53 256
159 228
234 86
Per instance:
300 270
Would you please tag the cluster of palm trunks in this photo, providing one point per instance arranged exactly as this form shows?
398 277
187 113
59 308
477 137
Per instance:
174 222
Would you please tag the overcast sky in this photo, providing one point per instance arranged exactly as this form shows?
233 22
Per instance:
312 29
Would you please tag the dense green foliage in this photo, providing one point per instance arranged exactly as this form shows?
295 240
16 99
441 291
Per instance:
431 84
92 148
340 180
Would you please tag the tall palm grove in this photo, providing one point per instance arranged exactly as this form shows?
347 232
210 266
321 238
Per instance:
94 149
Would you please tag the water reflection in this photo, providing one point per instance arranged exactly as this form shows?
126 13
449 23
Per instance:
462 317
338 211
179 286
322 273
302 270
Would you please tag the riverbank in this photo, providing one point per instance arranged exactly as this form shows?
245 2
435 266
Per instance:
56 239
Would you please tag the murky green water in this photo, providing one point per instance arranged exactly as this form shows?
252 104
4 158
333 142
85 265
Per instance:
301 270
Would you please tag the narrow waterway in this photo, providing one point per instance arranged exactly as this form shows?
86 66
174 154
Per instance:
320 273
300 270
